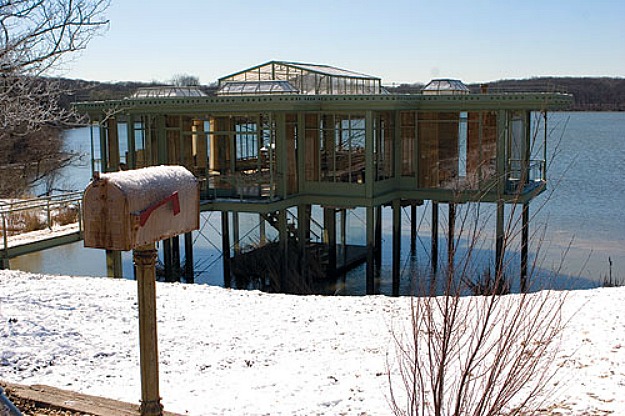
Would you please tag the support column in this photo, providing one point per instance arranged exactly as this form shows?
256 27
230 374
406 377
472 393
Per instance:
235 232
168 259
188 258
114 264
378 236
329 235
396 246
499 242
370 250
434 253
225 247
413 228
303 230
283 284
144 258
525 246
262 230
451 235
175 257
4 264
344 236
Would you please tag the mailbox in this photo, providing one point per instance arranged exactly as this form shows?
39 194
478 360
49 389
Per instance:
125 210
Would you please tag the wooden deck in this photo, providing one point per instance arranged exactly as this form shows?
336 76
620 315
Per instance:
47 396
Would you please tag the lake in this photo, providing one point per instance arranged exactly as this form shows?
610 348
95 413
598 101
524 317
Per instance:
580 217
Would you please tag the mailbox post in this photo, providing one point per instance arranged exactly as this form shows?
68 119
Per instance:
131 210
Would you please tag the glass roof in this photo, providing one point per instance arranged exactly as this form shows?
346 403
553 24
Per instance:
445 86
329 70
256 87
167 91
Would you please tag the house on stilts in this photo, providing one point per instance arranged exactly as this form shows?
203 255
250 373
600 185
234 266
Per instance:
282 139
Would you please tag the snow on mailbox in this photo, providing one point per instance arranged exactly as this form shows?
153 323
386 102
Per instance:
128 209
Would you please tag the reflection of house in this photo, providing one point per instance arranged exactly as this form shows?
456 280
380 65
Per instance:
286 135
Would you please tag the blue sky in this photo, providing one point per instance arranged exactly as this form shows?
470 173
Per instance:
401 41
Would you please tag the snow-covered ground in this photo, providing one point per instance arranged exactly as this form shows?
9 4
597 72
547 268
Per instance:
250 353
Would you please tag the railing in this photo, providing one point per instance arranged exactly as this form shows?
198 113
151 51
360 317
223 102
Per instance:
240 186
524 175
25 215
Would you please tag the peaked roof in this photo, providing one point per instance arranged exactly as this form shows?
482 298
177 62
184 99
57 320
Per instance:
315 68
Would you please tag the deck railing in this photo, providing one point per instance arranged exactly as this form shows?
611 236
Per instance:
24 215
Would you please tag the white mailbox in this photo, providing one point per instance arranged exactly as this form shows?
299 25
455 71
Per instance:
125 210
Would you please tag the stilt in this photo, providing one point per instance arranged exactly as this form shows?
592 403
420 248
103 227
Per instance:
378 237
396 246
114 264
499 243
168 259
262 230
175 257
235 233
282 282
434 253
413 228
329 236
451 246
188 258
344 236
525 246
225 244
370 254
303 230
4 264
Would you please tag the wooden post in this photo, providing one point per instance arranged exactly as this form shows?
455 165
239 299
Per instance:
396 245
145 259
188 258
451 247
235 232
175 257
262 230
434 253
525 245
4 264
225 244
499 242
329 234
413 228
284 247
168 259
303 236
114 264
378 236
344 235
370 253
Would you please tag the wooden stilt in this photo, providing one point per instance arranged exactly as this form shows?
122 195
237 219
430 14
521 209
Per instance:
225 244
189 272
168 260
262 230
499 242
370 251
525 246
434 253
235 233
175 257
378 236
114 264
344 236
413 228
396 246
329 226
451 231
4 264
283 284
302 223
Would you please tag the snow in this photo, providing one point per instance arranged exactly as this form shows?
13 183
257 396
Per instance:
246 352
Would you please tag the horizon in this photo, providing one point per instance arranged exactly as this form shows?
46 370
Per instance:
481 42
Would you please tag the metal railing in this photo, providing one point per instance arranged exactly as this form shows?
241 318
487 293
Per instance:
26 215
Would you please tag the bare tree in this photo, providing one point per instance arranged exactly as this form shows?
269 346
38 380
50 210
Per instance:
476 355
185 80
36 36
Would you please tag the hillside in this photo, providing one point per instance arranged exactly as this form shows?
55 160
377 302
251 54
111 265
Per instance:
591 94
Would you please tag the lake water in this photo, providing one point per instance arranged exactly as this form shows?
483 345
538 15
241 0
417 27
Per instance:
582 215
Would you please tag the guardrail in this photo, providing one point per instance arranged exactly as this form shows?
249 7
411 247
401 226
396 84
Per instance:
25 215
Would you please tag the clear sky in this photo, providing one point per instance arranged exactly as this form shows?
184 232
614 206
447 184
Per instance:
401 41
